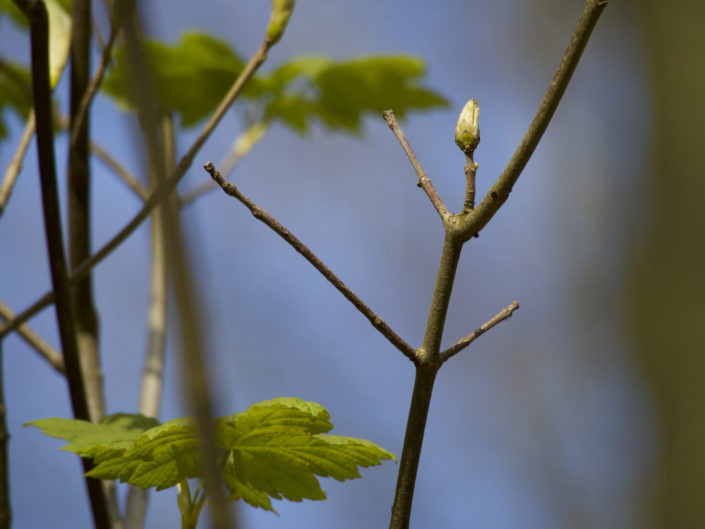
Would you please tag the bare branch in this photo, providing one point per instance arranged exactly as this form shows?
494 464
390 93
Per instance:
15 166
121 171
499 192
461 344
96 80
261 215
35 341
424 181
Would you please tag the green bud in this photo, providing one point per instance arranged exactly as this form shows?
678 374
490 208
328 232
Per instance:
467 131
281 11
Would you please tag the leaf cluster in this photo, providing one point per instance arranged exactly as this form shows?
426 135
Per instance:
192 76
275 449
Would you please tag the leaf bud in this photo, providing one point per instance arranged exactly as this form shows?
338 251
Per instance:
281 11
467 131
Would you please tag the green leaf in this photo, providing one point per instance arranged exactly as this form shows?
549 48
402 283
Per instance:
15 91
339 94
117 432
275 449
190 77
278 447
59 38
161 457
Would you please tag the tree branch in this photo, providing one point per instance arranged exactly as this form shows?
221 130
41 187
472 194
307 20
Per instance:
461 344
35 341
5 510
157 196
499 192
15 165
41 91
261 215
424 181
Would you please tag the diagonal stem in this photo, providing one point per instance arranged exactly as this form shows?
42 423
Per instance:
261 215
424 181
461 344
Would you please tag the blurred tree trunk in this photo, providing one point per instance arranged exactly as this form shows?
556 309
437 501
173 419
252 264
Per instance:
666 278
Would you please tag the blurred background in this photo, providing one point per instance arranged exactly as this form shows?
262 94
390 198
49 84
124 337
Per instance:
582 411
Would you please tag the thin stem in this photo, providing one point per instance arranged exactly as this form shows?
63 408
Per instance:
41 90
119 169
15 166
499 192
92 89
413 442
261 215
5 510
470 172
79 209
461 344
46 351
424 181
153 371
157 195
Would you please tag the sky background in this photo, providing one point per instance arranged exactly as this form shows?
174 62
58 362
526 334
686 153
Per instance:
543 423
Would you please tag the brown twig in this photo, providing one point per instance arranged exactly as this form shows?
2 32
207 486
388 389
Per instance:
121 171
461 344
96 80
463 227
499 192
470 172
424 181
261 215
5 511
35 341
15 165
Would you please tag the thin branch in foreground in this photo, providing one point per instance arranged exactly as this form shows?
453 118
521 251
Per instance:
15 165
35 341
36 12
261 215
157 196
461 344
119 169
424 181
95 82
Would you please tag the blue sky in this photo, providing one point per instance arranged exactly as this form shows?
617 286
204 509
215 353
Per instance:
543 423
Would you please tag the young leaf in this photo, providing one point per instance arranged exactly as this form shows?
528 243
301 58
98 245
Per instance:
278 447
113 435
190 77
339 94
161 457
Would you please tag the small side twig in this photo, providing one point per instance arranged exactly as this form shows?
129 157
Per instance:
35 341
13 169
424 181
96 80
470 172
261 215
121 171
461 344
